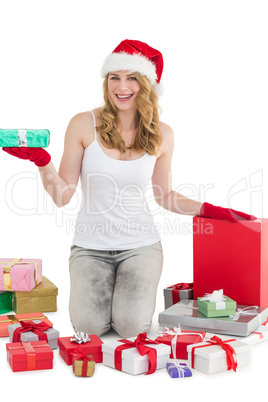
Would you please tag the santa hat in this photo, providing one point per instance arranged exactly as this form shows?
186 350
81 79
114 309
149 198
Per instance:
135 56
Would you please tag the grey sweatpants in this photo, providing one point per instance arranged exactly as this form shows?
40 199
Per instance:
114 289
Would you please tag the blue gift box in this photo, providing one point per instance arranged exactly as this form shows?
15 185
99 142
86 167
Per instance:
178 370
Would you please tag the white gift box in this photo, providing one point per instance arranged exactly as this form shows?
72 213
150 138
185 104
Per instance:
258 336
212 359
132 361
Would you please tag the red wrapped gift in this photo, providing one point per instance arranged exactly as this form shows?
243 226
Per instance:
93 347
6 320
28 356
233 257
179 340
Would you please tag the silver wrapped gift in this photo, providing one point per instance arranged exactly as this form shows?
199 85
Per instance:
183 294
29 336
185 313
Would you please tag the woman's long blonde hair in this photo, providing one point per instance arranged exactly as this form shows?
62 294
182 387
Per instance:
148 136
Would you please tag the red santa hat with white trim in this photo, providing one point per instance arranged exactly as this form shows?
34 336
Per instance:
136 56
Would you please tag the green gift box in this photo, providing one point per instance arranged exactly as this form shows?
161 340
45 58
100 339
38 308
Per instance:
5 302
24 138
216 309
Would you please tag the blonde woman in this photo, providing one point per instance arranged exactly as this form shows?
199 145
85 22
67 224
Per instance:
116 257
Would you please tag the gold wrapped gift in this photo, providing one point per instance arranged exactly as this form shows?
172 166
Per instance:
42 298
78 367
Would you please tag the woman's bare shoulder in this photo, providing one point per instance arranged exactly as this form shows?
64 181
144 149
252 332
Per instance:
167 138
81 128
166 130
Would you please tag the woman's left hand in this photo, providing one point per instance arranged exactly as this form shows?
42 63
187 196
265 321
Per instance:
211 211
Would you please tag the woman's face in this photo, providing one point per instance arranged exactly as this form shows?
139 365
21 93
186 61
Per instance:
123 89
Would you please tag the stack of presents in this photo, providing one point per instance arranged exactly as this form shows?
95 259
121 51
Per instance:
209 325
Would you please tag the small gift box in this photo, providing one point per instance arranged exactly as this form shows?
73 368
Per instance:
7 320
185 313
21 274
29 331
215 304
179 340
135 355
178 370
28 356
173 294
24 138
68 345
42 298
83 365
5 302
216 355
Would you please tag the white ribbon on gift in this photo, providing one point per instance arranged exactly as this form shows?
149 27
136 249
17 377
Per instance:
249 310
217 298
180 369
177 331
22 133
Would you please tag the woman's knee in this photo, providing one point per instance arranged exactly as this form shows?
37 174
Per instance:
129 326
90 326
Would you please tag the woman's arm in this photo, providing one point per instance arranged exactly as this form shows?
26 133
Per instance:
62 185
162 180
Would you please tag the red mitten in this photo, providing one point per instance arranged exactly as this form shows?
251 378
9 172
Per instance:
36 155
211 211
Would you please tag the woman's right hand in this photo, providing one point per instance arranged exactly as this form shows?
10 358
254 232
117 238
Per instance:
36 155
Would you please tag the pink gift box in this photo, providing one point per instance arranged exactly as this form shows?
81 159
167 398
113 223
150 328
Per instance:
21 274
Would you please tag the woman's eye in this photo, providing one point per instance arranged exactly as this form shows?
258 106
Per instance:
132 78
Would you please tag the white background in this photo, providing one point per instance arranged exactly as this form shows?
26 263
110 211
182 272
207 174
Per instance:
215 99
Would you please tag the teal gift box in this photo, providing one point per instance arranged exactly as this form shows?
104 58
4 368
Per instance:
221 308
5 302
24 138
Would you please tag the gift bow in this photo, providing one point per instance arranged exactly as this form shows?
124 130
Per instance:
80 337
177 287
249 310
36 328
214 297
78 354
140 343
230 352
182 286
217 298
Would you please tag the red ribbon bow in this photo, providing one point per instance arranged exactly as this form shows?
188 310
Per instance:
140 343
36 328
79 354
178 287
230 352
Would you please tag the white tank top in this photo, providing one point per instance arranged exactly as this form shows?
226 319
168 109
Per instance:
114 213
